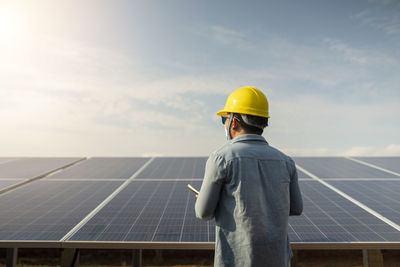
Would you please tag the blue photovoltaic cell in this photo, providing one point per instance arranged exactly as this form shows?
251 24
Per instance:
389 163
182 168
175 168
149 211
381 196
337 167
32 167
301 174
329 217
6 183
102 168
47 210
164 211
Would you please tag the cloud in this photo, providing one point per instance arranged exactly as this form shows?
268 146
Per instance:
69 98
74 97
350 54
389 150
309 125
329 68
227 36
357 55
381 17
221 34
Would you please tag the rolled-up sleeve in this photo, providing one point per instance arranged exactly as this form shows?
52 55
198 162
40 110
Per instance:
296 201
207 201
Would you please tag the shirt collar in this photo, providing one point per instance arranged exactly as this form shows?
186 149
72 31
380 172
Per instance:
249 137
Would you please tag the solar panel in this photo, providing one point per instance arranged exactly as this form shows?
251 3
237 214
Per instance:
102 168
329 217
175 168
301 174
47 210
390 163
6 183
32 167
164 211
381 196
181 168
336 167
3 160
149 211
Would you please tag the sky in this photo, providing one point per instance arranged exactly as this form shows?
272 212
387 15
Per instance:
145 78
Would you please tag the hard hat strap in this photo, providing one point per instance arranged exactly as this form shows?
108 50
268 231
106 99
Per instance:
229 126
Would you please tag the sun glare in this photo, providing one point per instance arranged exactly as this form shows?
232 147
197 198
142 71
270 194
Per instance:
8 24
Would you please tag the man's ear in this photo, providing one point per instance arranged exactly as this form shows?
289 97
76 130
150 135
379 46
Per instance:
235 123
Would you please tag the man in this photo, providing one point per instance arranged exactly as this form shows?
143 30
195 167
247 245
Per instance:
250 188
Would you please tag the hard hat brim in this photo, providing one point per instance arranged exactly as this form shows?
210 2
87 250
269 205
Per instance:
222 113
226 112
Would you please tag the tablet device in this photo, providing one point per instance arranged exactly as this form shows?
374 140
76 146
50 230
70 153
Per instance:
193 189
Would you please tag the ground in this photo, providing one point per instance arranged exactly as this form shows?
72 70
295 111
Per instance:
195 258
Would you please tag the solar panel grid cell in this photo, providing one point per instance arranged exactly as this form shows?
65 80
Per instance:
47 210
328 217
182 168
102 168
390 163
7 183
301 174
32 167
381 196
337 167
161 211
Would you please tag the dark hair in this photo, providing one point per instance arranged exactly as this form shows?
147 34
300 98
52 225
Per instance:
253 120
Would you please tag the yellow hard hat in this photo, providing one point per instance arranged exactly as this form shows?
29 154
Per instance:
246 100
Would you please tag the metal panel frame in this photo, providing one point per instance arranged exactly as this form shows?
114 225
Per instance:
211 245
187 245
29 244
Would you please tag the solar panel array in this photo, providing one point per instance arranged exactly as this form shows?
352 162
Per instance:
145 200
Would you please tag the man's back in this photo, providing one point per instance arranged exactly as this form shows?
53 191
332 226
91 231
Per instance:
258 189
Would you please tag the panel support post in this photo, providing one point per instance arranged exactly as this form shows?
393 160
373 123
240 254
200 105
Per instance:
159 255
365 258
294 259
69 257
137 258
12 254
372 258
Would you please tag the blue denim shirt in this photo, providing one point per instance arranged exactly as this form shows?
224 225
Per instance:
250 188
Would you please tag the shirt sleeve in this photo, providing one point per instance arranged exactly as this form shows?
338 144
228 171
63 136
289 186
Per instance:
215 174
296 201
